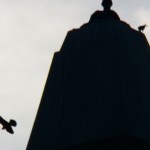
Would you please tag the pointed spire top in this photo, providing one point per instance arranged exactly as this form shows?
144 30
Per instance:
107 4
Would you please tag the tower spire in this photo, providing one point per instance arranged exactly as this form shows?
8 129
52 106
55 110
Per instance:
107 4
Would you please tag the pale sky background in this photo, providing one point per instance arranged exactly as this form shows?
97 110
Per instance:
30 32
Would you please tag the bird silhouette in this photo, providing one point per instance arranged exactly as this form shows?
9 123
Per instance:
141 28
8 125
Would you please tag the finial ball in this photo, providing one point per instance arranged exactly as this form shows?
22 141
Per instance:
107 4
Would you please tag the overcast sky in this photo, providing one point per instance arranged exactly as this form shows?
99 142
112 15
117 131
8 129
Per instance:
30 32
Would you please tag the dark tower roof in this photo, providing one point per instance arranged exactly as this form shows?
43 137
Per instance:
106 14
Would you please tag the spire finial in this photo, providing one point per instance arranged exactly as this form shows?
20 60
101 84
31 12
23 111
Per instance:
107 4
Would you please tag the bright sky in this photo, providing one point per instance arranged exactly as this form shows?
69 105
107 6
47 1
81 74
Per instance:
30 32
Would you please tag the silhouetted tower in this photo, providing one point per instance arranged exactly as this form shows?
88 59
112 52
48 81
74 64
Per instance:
97 90
107 4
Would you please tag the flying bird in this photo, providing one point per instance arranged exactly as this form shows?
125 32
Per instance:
8 125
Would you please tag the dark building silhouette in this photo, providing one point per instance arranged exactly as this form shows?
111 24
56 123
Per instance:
97 91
